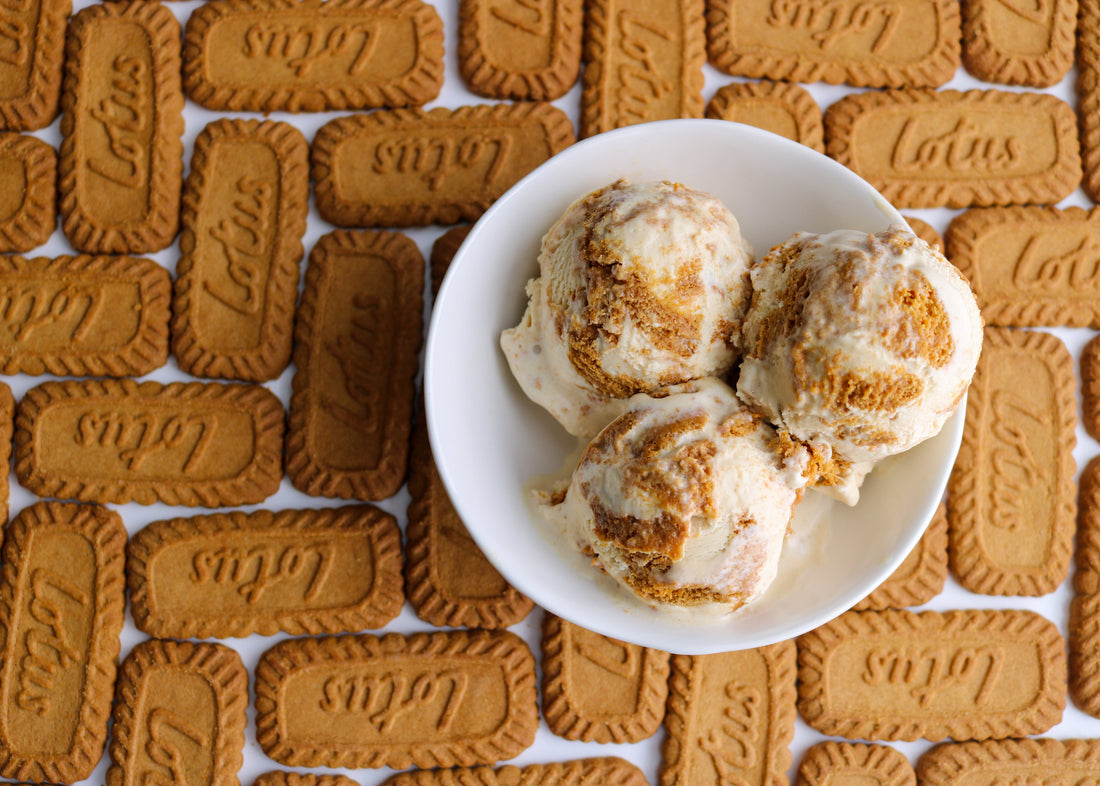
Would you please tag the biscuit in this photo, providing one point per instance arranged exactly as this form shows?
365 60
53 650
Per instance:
1087 88
461 698
520 50
921 575
1038 761
923 148
245 204
1090 387
1011 496
179 708
577 772
642 62
1018 43
911 43
121 164
599 689
312 56
357 335
122 441
833 763
449 580
1084 611
28 190
730 718
925 232
33 54
1030 266
898 675
409 167
279 778
443 251
62 600
335 570
7 427
779 107
83 315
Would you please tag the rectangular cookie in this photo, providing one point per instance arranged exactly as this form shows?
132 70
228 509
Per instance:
1030 266
599 689
7 428
121 166
461 698
62 601
1018 43
1087 88
730 718
1034 761
898 675
245 204
834 763
1084 610
911 43
357 335
923 148
921 575
443 251
123 441
32 52
336 570
1090 387
597 771
643 61
1011 502
779 107
83 315
28 188
450 582
409 167
518 49
179 714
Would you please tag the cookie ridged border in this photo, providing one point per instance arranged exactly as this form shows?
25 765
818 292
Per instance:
885 765
418 86
567 720
34 221
984 60
104 531
796 100
556 127
259 480
817 647
307 471
596 114
517 733
283 778
1087 87
683 688
925 582
381 605
950 762
223 671
964 236
925 232
1090 387
966 552
1050 186
148 350
427 595
610 770
161 222
7 428
270 358
36 107
487 78
936 69
1084 610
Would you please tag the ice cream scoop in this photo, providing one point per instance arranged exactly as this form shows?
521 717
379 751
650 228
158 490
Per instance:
641 285
858 345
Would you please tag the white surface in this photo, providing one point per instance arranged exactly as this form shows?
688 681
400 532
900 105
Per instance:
547 747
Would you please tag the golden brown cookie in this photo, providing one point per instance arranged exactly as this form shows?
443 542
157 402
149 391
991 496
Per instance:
897 675
281 778
33 54
922 574
121 165
1011 497
643 61
1084 614
730 718
28 188
846 764
925 232
443 251
924 148
1088 92
7 428
62 600
441 166
779 107
1090 387
609 770
462 698
245 204
1018 43
357 334
1040 761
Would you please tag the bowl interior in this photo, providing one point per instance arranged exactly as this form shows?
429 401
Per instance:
490 441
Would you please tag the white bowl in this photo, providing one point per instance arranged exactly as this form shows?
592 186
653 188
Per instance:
489 440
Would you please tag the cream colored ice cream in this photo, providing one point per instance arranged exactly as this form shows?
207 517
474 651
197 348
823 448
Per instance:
641 285
860 346
684 499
